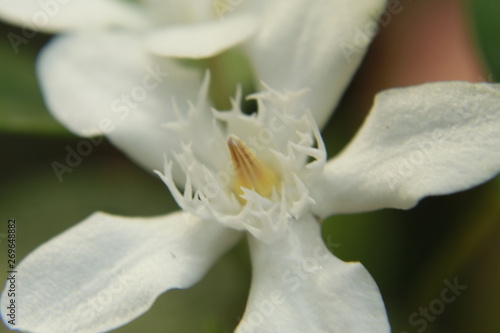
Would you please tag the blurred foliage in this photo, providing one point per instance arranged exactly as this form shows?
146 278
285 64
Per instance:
484 15
231 69
21 106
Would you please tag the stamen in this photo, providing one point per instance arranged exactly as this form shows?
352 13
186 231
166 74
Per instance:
251 173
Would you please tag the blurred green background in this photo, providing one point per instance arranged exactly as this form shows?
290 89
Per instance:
409 253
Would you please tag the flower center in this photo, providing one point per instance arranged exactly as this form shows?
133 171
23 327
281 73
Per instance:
250 172
256 192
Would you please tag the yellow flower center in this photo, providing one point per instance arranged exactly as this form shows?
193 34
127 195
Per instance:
250 172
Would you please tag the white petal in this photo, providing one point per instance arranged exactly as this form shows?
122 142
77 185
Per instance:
299 286
431 139
180 11
107 270
56 15
302 44
201 40
108 84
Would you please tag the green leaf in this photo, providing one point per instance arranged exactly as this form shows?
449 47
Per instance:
21 105
486 25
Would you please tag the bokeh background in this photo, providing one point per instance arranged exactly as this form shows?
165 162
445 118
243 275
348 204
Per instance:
409 253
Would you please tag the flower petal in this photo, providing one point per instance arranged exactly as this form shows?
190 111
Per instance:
176 11
201 40
313 44
52 16
299 286
108 270
107 83
431 139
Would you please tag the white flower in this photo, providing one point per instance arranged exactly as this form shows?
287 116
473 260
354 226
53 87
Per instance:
291 44
431 139
104 272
